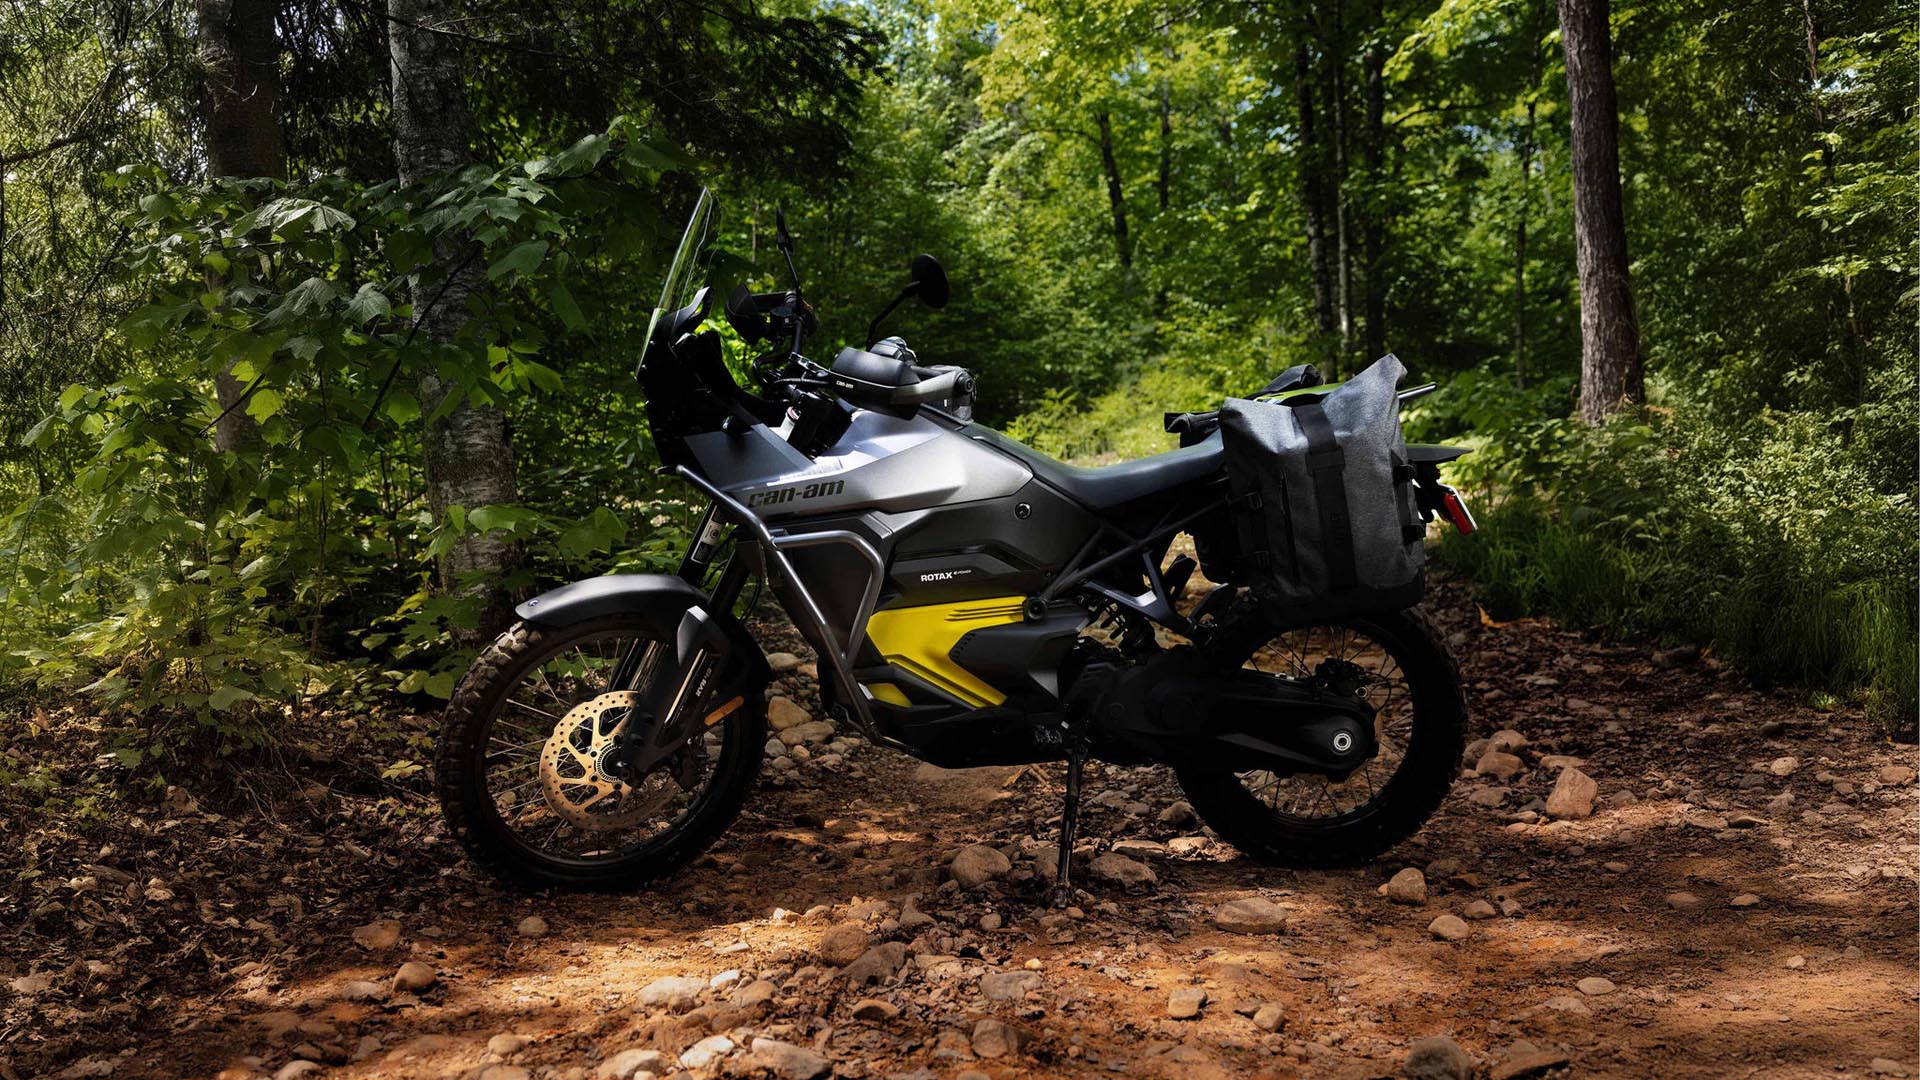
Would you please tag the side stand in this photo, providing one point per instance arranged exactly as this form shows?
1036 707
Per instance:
1069 823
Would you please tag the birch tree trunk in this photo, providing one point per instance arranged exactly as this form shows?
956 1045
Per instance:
240 96
469 455
1610 374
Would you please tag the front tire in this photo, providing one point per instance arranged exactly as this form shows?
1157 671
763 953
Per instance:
497 800
1318 825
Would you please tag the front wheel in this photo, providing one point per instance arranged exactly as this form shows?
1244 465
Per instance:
522 772
1405 673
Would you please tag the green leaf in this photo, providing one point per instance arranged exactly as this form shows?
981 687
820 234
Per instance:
565 307
523 259
41 433
265 403
71 396
227 697
368 304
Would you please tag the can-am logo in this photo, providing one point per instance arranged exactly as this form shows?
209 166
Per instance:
775 496
943 575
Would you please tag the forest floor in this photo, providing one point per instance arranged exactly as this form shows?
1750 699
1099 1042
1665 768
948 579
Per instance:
1742 903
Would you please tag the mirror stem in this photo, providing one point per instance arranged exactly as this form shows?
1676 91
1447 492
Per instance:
873 328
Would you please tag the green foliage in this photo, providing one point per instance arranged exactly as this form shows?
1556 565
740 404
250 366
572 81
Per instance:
1769 539
176 578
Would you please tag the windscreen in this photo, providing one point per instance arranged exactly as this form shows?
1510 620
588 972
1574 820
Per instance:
683 272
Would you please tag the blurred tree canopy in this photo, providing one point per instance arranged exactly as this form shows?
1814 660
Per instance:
1143 208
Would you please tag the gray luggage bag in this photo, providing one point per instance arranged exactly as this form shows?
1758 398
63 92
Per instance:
1323 497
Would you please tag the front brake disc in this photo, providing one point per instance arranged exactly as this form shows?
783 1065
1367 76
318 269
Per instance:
576 766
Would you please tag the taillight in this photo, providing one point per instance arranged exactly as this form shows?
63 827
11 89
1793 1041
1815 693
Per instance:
1452 505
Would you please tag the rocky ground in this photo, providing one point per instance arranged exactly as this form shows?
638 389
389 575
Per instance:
1740 901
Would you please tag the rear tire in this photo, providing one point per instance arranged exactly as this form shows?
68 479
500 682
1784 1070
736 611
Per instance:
1410 795
473 813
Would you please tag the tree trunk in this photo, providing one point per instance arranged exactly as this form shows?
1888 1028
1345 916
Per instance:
240 105
1374 231
1537 37
1313 195
469 456
1610 374
1342 216
1115 195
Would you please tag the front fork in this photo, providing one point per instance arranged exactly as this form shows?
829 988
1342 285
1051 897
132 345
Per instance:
664 720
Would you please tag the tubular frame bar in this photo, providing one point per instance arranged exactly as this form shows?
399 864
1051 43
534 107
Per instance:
774 546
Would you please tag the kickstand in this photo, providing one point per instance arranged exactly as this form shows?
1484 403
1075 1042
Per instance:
1069 824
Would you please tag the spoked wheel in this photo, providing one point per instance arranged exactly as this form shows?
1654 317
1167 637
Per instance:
525 779
1398 665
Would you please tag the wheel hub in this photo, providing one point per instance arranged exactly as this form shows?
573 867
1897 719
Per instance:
577 769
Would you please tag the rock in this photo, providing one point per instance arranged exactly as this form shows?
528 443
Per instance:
1745 899
507 1044
1683 901
1499 765
533 926
1488 796
1450 928
992 920
1188 846
843 944
1180 815
1409 886
784 713
993 1038
1740 819
29 985
1506 741
1437 1057
1008 985
875 1010
1185 1003
1783 766
1556 762
1479 909
787 1061
297 1068
625 1064
505 1072
414 975
706 1052
782 661
1573 795
876 964
1595 986
758 992
362 990
379 935
1251 915
977 864
1886 1067
1567 1003
1675 657
1123 871
1530 1063
672 991
1795 962
1269 1017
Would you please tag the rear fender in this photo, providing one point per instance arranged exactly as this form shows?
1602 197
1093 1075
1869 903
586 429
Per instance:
664 602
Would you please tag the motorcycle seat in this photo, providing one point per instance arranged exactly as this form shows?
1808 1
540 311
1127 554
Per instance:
1104 487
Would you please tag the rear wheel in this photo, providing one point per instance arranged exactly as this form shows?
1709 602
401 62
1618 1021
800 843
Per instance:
1311 820
520 770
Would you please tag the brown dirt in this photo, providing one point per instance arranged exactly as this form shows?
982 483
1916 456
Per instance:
185 938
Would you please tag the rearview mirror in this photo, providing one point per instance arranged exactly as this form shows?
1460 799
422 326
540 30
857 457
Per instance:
929 281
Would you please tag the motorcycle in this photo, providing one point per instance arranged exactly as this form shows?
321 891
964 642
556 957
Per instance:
971 601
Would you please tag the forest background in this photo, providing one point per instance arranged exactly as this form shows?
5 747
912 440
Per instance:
318 318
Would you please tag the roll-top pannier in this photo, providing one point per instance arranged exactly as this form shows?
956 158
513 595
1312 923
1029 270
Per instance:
1323 497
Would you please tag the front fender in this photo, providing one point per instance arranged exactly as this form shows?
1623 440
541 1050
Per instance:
661 601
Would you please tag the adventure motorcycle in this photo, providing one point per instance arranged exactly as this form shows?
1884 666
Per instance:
971 601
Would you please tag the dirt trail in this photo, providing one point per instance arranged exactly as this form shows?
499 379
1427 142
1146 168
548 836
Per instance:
209 934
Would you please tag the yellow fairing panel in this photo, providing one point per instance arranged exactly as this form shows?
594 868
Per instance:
918 639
